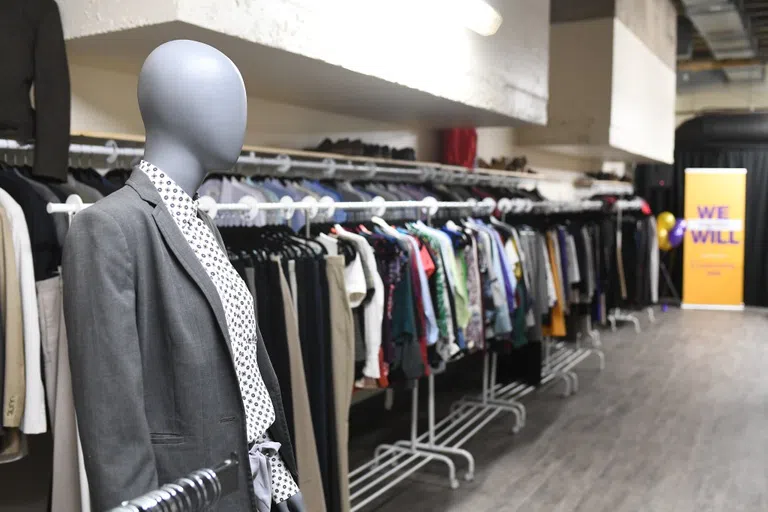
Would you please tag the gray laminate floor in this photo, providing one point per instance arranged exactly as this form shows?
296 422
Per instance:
678 421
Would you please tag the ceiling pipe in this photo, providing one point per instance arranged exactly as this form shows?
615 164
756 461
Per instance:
693 66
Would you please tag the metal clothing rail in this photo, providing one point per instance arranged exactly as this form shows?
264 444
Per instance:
320 165
281 161
199 491
250 206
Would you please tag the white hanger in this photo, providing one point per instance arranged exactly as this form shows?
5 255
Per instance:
384 226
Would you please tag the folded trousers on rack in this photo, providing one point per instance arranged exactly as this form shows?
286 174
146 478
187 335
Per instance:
343 363
310 480
70 484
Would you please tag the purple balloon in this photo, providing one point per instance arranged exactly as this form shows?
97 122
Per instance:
677 233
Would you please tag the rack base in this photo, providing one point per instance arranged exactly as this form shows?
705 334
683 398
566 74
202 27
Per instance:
394 462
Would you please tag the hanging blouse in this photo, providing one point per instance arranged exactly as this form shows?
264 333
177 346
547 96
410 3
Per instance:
557 315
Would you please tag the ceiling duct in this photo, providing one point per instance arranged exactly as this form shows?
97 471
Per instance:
685 32
726 30
723 26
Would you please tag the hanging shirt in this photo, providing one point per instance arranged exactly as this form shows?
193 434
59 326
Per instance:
654 271
590 264
429 309
240 316
574 275
474 332
373 310
502 320
549 274
277 188
557 314
442 290
231 192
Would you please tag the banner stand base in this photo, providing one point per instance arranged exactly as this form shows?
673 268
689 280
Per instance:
714 307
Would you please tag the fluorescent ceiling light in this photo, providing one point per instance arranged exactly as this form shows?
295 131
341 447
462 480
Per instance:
432 15
476 15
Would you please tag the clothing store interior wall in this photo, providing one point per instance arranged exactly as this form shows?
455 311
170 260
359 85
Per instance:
349 256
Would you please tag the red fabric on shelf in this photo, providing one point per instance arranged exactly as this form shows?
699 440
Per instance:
459 146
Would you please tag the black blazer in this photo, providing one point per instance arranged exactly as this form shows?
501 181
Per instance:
154 382
32 51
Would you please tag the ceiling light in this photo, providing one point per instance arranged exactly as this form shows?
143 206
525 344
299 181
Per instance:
476 15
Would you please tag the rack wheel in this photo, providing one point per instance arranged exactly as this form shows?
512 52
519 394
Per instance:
454 484
469 476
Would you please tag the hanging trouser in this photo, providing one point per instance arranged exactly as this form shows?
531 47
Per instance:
70 484
313 348
332 497
270 317
343 363
310 479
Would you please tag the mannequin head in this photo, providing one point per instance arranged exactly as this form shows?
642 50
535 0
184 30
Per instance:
193 103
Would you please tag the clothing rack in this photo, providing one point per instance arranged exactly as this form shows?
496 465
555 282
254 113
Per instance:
199 491
323 165
617 314
393 462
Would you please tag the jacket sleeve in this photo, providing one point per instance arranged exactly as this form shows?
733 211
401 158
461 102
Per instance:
52 96
105 356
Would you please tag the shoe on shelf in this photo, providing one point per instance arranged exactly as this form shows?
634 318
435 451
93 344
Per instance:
404 154
324 147
518 164
499 163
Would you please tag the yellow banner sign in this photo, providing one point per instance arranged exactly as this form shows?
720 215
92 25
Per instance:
713 266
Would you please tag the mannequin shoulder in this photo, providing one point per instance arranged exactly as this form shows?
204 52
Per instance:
122 210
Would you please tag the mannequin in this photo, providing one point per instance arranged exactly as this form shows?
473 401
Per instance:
157 365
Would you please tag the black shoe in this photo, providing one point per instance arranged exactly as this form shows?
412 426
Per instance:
404 154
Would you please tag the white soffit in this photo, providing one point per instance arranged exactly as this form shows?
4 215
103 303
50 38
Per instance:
287 52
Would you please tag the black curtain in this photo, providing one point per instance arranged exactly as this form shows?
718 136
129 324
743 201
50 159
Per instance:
753 157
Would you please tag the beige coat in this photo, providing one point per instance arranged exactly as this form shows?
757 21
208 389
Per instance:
10 298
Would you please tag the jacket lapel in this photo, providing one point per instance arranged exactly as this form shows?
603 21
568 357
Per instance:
181 248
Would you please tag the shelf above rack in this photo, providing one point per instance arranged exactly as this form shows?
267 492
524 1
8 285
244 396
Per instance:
281 162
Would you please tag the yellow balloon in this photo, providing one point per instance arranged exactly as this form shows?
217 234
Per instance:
663 236
665 220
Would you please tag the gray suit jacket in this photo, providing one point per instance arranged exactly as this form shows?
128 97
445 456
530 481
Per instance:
154 383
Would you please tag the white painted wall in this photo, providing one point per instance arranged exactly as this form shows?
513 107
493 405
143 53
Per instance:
498 142
642 98
580 85
105 101
608 93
